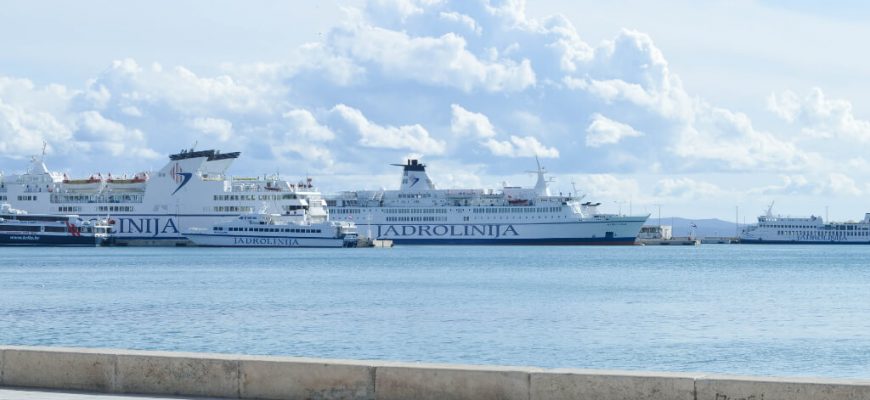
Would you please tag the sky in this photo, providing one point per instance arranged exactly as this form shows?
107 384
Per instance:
701 109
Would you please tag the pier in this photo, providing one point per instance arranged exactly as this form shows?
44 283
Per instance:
78 370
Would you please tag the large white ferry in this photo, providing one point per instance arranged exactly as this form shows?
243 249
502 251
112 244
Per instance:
192 190
776 229
418 213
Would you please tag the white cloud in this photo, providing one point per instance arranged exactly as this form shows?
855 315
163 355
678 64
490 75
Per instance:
219 128
686 188
439 61
831 184
22 132
820 117
607 186
186 92
467 123
303 123
131 111
603 130
462 19
518 146
103 134
412 137
728 141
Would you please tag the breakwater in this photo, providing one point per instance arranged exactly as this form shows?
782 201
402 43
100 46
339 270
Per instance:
269 377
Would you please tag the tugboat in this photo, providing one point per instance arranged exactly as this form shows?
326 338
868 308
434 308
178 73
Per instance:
18 228
275 230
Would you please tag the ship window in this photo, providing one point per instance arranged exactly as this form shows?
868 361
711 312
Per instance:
17 228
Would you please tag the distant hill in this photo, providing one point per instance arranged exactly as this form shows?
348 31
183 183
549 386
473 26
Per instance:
705 227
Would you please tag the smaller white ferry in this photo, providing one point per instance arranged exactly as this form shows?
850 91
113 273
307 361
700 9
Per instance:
18 228
776 229
275 230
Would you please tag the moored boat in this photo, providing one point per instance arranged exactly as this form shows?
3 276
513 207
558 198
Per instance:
419 213
275 230
777 229
155 208
18 228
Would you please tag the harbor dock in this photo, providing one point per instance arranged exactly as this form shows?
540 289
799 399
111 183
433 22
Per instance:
195 375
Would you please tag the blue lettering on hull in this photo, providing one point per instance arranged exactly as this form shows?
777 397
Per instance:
147 227
265 241
406 231
483 234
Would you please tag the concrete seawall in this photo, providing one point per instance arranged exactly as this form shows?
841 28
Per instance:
266 377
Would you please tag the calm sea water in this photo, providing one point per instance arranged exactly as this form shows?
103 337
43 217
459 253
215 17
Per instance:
762 310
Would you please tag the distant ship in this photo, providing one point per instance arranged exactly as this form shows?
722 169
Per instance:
191 190
418 213
772 229
18 228
274 230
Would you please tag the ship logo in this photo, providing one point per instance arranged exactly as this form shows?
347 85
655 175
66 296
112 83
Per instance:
179 176
414 181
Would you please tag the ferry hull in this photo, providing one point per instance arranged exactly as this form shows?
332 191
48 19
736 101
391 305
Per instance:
628 241
211 240
838 242
47 240
585 233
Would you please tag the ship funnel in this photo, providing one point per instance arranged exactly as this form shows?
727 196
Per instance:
414 178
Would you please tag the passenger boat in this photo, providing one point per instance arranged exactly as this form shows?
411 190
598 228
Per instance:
777 229
418 213
18 228
191 190
275 230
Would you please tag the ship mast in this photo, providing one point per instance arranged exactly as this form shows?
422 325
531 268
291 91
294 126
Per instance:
541 187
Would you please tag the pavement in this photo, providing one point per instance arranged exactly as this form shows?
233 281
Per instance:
38 394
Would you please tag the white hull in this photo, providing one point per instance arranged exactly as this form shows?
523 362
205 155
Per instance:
225 240
506 232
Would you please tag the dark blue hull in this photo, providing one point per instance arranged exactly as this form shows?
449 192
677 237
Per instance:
627 241
39 239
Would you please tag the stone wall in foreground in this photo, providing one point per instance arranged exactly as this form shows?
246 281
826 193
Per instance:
263 377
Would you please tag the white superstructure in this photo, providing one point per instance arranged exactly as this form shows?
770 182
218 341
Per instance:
192 190
418 213
776 229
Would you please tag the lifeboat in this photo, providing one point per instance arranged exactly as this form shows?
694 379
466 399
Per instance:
94 183
138 182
